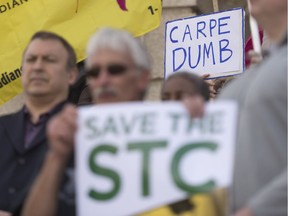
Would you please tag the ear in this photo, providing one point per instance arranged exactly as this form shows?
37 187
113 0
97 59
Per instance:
73 74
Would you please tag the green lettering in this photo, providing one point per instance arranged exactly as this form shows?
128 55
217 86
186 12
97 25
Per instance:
175 120
90 123
99 170
216 122
195 124
110 126
147 123
128 126
146 148
176 171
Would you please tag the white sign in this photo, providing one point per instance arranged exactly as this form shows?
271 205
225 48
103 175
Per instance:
207 44
134 157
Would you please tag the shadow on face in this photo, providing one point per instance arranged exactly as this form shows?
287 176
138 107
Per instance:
45 71
114 77
182 84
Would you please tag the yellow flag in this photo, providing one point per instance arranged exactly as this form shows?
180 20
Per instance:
75 20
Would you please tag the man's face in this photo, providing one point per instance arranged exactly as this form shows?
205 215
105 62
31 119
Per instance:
113 77
267 8
45 71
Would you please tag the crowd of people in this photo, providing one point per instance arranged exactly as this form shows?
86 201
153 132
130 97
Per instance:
37 142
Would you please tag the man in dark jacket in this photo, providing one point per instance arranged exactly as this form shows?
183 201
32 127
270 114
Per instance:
117 70
48 68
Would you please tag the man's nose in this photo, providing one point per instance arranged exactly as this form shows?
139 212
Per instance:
38 64
103 78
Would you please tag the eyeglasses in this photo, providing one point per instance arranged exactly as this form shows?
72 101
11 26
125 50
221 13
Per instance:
112 69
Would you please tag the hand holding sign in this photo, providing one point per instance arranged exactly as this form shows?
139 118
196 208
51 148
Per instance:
61 130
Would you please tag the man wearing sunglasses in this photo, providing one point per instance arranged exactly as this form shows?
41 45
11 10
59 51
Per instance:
117 67
117 70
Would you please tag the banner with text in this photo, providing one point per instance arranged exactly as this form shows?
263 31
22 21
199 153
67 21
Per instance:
74 20
207 44
134 157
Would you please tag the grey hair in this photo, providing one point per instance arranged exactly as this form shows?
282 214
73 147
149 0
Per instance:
120 41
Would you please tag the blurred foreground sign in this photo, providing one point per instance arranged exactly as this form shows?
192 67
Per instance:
134 157
207 44
75 20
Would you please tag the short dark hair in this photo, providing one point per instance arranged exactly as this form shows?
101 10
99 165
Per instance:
196 81
46 35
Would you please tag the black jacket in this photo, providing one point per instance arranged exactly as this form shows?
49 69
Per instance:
19 166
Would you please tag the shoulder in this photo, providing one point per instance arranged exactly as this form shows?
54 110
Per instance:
9 118
236 86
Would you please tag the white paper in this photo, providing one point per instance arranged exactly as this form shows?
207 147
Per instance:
169 123
207 44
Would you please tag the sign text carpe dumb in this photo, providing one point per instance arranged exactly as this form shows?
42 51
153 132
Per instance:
207 44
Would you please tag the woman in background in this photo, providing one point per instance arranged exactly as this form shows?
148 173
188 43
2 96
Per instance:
182 84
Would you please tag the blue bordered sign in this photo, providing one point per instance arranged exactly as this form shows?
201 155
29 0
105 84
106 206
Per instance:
207 44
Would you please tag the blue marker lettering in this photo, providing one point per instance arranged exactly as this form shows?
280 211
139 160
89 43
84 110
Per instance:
200 30
184 58
212 25
224 49
187 32
172 30
190 55
206 52
223 24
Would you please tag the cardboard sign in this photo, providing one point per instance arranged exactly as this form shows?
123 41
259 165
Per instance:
208 44
134 157
75 20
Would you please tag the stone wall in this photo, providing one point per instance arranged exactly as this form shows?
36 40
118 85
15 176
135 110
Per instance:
155 40
12 105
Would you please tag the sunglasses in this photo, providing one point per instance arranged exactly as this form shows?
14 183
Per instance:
112 69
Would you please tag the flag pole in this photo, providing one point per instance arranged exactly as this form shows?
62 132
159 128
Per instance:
254 32
215 5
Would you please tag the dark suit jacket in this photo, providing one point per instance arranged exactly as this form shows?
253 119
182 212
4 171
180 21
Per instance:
19 166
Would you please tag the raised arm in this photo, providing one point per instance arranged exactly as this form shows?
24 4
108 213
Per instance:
43 196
